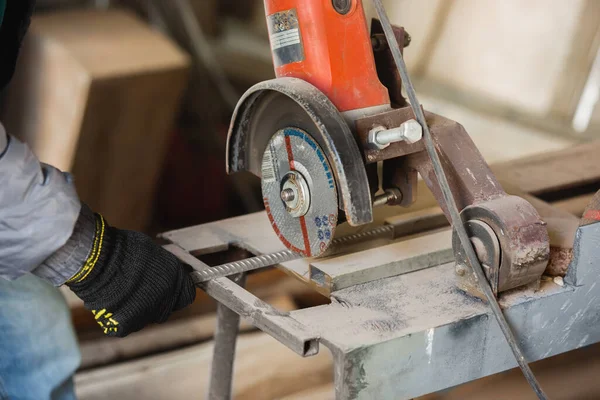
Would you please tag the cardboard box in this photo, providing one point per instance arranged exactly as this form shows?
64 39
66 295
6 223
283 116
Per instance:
96 94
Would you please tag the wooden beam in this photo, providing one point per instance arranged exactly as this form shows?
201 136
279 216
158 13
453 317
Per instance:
323 392
550 172
264 369
161 338
575 205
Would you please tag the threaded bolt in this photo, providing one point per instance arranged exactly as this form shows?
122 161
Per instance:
410 131
288 195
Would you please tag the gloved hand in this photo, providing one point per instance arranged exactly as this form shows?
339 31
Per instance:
129 282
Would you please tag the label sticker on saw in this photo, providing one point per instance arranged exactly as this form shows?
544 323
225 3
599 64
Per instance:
270 171
285 37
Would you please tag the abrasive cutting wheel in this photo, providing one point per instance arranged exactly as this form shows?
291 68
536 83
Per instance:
299 192
287 132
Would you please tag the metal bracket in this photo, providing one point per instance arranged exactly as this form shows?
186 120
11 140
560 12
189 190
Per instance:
281 326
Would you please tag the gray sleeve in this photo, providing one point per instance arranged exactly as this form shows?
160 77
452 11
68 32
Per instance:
39 209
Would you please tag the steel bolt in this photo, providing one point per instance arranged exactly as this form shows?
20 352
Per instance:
461 270
342 6
288 195
410 132
391 197
295 194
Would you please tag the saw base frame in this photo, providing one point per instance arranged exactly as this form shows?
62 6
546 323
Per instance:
396 337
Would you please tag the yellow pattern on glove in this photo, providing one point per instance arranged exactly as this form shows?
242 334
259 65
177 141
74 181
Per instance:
90 263
105 320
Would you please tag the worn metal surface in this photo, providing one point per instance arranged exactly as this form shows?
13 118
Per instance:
428 219
476 191
386 70
219 236
280 103
415 334
390 119
523 239
253 233
398 174
525 242
226 332
469 176
394 259
488 251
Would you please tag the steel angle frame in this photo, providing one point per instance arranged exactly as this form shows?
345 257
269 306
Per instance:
414 334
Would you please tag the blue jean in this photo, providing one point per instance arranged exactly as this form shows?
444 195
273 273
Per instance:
38 347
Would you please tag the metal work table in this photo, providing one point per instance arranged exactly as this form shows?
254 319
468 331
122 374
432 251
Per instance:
407 335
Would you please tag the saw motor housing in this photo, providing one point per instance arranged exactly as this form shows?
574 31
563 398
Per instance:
309 135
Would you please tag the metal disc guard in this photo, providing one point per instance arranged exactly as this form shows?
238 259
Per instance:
289 102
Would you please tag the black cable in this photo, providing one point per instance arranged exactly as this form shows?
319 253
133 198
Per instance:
455 217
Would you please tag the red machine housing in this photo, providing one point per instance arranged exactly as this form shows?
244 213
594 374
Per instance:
312 41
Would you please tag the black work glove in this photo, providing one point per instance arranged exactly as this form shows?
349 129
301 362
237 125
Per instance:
129 282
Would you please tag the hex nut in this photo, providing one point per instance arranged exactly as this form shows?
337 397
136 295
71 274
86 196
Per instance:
373 138
412 131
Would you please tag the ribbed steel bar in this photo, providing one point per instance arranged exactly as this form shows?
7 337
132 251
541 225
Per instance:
267 260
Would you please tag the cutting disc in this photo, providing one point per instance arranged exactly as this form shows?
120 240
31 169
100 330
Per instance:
299 192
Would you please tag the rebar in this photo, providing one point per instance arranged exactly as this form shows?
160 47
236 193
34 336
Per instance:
268 260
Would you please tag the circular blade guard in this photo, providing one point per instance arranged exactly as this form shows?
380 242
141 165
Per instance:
293 154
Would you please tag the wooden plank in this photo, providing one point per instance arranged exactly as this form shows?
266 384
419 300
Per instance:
559 170
323 392
575 205
264 369
161 338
